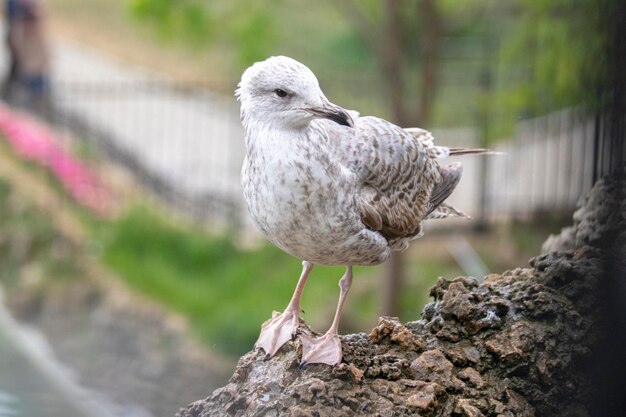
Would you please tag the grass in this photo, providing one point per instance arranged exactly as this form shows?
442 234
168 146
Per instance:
226 292
30 245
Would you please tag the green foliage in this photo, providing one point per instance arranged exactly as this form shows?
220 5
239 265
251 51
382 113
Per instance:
549 58
249 26
253 34
348 50
30 244
423 274
538 56
226 292
547 50
188 19
5 191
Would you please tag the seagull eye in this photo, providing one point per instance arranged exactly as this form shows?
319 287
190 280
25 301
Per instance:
280 93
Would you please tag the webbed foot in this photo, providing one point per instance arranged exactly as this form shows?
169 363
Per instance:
277 331
324 349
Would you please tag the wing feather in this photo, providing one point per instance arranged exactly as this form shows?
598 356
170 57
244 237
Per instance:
450 177
398 177
402 182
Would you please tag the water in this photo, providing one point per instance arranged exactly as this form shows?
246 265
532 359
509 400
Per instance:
33 383
24 391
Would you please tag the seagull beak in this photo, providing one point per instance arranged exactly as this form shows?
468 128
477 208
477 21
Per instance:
333 112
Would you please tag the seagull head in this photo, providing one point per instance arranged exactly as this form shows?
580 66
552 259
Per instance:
282 92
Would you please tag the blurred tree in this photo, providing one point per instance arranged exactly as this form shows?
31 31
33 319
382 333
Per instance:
535 56
397 31
544 57
188 19
248 25
550 43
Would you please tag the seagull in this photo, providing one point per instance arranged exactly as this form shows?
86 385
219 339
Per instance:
330 187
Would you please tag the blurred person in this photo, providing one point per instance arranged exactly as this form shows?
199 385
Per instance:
10 11
27 81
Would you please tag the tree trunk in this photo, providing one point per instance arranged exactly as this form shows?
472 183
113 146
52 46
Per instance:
483 119
393 69
391 54
393 61
430 45
430 36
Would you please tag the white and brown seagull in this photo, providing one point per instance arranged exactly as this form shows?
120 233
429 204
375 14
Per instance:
332 188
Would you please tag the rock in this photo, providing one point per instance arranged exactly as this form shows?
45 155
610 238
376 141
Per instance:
597 221
427 397
464 407
462 354
432 366
510 346
392 328
472 377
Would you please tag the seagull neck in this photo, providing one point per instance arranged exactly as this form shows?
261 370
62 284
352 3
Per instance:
273 128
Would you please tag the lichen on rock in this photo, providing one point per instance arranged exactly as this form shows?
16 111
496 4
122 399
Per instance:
509 346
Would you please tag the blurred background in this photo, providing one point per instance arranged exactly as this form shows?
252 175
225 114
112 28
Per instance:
132 278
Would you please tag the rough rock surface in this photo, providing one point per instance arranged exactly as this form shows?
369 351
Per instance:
514 345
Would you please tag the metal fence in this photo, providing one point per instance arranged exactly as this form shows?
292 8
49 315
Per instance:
186 145
546 166
180 140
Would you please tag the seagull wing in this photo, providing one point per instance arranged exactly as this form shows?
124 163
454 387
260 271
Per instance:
450 177
402 182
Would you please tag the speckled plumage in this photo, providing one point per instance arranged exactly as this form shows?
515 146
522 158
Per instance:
331 187
332 194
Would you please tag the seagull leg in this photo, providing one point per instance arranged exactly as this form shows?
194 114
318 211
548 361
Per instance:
327 348
276 331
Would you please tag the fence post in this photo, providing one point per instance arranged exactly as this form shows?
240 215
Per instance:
483 115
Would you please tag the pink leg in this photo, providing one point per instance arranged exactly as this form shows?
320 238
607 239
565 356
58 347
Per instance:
282 327
327 348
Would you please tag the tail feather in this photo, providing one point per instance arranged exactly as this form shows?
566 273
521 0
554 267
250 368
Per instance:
444 211
440 152
473 151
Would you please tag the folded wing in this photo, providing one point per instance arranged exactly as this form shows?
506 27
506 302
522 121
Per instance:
399 178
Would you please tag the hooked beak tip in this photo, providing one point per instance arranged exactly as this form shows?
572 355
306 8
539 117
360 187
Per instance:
341 118
334 113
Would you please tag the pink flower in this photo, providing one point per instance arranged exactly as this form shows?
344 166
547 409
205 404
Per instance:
35 142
